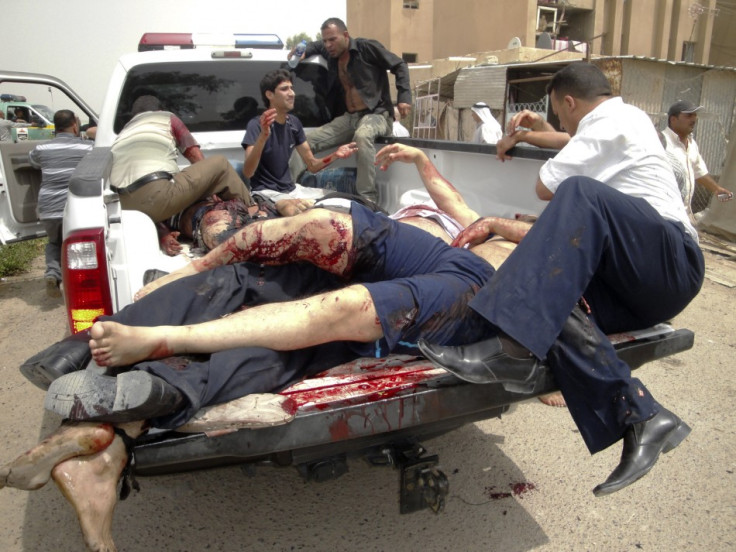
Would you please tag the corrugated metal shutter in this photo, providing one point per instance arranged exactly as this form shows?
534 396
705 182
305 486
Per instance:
481 84
716 118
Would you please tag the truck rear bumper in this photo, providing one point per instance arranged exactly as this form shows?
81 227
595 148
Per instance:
331 427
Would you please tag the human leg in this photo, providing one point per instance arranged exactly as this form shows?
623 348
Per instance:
346 314
589 239
368 129
335 133
89 483
32 469
162 199
52 274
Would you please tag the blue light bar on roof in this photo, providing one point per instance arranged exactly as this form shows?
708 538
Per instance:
165 41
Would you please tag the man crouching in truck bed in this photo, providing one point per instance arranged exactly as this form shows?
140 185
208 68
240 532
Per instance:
87 458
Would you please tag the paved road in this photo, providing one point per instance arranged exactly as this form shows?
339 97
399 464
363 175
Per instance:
517 484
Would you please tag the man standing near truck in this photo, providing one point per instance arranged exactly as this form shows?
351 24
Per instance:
358 84
681 118
57 160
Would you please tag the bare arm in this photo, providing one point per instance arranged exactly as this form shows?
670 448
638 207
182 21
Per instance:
442 192
315 165
475 234
712 186
531 128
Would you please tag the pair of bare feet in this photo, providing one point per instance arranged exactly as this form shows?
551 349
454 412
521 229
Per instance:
85 461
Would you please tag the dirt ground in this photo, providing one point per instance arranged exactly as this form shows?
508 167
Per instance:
516 484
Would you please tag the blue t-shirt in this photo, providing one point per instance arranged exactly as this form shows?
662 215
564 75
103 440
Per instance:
272 172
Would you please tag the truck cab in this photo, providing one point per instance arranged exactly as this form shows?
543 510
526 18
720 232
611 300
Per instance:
38 115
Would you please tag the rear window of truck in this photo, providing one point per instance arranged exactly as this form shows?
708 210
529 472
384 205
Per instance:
220 95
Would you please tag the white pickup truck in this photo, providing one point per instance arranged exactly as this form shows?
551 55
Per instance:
381 410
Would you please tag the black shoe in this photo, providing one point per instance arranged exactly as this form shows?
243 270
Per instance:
64 357
643 443
130 396
487 362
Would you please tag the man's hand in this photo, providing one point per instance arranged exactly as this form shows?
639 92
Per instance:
396 152
291 207
723 194
404 109
346 150
267 119
475 234
526 119
505 144
170 244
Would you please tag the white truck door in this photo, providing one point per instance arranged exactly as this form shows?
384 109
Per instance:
19 182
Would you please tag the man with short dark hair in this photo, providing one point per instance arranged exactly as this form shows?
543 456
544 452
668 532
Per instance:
615 233
358 84
271 138
681 118
57 160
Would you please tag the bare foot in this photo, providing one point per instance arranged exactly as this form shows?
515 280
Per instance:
32 469
89 483
186 270
114 344
553 399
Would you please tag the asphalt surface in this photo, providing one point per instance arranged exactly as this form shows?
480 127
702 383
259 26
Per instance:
520 483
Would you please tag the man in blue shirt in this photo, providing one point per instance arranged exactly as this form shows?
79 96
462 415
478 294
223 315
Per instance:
271 138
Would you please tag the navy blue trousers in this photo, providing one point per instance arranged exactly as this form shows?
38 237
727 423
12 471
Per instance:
633 267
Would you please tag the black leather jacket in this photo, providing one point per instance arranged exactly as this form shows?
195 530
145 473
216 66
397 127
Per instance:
367 67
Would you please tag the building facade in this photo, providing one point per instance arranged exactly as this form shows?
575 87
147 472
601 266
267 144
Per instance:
676 30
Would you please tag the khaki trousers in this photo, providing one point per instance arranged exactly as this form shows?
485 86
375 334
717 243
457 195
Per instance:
161 199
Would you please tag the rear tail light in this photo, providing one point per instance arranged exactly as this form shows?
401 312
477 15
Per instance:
86 282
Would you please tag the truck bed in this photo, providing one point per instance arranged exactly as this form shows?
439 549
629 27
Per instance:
355 408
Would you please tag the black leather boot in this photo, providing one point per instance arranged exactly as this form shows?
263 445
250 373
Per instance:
494 360
63 357
128 397
643 443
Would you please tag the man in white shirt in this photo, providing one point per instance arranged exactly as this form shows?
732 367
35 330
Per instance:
613 207
681 118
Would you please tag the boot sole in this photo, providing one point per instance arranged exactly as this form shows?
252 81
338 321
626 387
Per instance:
131 396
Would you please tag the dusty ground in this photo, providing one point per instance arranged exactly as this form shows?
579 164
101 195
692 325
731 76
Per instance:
520 483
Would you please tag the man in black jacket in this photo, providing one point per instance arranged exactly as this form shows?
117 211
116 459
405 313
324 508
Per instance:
357 75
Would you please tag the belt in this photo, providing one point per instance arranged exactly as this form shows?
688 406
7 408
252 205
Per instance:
142 181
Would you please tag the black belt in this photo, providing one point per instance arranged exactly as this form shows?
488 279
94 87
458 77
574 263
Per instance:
142 181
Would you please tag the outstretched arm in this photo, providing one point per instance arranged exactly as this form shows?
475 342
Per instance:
482 229
315 165
442 192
